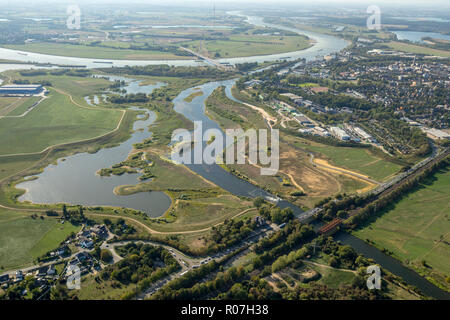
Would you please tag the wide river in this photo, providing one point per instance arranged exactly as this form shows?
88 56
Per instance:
324 45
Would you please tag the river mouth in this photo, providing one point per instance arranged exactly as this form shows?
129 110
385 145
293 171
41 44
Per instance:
324 44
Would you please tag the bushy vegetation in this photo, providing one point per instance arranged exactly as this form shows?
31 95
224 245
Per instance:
119 228
230 233
171 71
142 265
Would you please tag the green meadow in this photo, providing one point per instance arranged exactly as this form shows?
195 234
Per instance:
56 120
83 51
416 229
23 239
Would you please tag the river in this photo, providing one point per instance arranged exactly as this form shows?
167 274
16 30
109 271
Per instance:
86 188
74 181
324 44
416 36
393 265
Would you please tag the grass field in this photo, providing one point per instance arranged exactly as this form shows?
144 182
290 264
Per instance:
23 239
77 87
82 51
249 45
234 45
416 229
22 106
15 106
56 120
406 47
355 159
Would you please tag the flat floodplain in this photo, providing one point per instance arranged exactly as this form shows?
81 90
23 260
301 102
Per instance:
416 228
56 120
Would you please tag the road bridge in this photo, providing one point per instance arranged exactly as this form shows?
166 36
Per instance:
209 60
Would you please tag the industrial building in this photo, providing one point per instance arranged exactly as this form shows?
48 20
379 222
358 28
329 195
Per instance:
436 134
339 133
362 133
21 89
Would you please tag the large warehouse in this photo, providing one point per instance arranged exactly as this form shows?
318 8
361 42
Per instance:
339 133
21 89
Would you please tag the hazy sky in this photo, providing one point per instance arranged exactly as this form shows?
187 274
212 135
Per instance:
442 5
302 2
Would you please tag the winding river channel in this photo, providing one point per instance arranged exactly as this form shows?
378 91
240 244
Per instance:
73 179
89 189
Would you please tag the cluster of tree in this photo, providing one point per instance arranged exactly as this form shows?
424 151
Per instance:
171 71
179 288
51 213
30 285
129 98
75 72
119 227
246 66
76 217
403 131
117 84
146 47
142 265
26 81
222 282
291 236
33 73
254 288
276 214
288 259
230 233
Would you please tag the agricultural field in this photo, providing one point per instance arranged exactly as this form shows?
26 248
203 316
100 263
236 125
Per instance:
24 238
416 229
412 48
